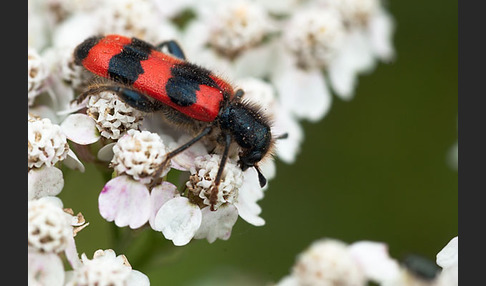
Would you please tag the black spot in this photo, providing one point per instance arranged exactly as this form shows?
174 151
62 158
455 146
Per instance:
185 82
82 50
125 67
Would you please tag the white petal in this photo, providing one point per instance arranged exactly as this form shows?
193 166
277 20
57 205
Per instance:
381 30
375 261
170 9
248 195
355 57
185 160
72 254
106 152
80 128
195 37
268 168
46 181
61 93
137 278
287 149
52 200
178 219
43 111
358 51
73 162
449 255
45 269
280 6
159 196
125 201
255 62
217 224
289 280
304 93
449 276
72 108
74 30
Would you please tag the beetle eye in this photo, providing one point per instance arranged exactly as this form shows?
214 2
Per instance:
249 160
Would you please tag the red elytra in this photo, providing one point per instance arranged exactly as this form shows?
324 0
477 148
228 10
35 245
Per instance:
156 73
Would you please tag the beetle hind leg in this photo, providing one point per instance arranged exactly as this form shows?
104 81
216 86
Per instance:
128 95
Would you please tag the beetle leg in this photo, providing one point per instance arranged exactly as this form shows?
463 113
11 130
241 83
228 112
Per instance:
130 96
215 189
175 152
173 48
239 94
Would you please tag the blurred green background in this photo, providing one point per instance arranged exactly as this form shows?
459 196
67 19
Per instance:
375 168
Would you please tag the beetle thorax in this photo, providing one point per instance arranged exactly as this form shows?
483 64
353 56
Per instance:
249 130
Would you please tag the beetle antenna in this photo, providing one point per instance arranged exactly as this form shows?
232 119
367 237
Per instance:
282 136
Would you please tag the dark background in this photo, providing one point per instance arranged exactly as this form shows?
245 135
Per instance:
375 168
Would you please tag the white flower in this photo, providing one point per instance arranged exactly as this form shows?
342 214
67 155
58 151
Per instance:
106 269
65 8
62 62
283 121
249 194
178 219
36 24
47 143
314 36
44 181
125 201
106 116
375 261
232 42
303 93
449 255
139 154
203 176
234 27
356 12
328 262
80 128
36 75
55 102
448 259
369 38
133 18
49 227
333 262
182 218
113 117
44 269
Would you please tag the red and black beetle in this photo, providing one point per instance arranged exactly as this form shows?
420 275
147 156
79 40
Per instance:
151 80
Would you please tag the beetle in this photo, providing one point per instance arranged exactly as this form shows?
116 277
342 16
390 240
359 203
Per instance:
150 79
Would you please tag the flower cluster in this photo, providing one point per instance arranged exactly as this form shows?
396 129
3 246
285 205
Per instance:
50 235
333 262
289 58
51 227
